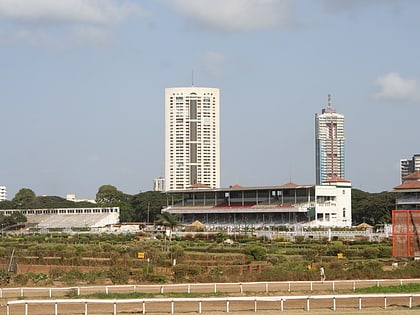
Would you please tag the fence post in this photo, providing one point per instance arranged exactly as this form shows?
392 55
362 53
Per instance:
311 286
215 288
289 287
410 301
255 305
227 306
241 289
333 285
21 292
78 290
199 307
144 307
189 288
334 304
360 303
354 286
161 289
172 307
281 305
7 309
115 307
56 308
106 290
26 308
308 308
266 287
50 292
86 308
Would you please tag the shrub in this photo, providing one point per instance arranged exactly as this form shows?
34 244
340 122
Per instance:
118 275
257 252
4 277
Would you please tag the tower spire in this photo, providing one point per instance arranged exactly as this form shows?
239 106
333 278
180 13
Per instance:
329 102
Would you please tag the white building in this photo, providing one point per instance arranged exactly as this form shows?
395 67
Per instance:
333 203
3 193
192 131
326 205
408 166
329 144
159 184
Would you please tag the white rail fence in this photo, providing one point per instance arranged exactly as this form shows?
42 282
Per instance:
253 304
236 287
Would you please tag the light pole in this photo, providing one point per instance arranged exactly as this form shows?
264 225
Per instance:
148 211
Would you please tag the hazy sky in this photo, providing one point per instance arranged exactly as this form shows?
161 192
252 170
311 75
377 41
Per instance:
82 88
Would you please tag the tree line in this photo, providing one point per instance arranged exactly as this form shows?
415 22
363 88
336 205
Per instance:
372 208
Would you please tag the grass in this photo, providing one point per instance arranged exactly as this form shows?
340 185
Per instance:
141 295
405 288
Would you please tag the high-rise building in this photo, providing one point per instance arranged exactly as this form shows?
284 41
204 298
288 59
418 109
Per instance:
329 144
3 193
159 184
408 166
192 146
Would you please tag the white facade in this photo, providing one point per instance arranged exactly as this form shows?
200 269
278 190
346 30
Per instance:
408 166
192 146
3 193
159 184
329 144
333 204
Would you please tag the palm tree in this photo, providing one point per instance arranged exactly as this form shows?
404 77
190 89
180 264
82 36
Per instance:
170 221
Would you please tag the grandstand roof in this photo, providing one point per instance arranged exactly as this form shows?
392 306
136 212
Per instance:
239 188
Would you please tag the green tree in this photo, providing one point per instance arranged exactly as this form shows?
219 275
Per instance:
372 208
168 220
109 196
148 205
24 199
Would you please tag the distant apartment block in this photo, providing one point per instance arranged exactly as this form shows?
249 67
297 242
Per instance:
3 193
329 144
192 146
159 184
408 166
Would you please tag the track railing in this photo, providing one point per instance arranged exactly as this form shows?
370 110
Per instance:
252 304
236 287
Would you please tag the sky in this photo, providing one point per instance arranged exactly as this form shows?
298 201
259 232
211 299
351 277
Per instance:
82 88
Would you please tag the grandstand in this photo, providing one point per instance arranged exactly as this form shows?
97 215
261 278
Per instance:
326 205
69 217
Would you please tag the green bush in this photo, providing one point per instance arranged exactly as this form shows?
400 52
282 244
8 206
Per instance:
118 275
257 252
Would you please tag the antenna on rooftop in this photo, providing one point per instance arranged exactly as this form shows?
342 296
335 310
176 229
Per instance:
329 100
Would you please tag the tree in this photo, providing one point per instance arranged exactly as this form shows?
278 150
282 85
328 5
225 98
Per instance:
168 220
25 198
371 208
109 195
147 205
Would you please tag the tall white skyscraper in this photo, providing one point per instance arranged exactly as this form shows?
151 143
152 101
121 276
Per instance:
329 144
192 146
